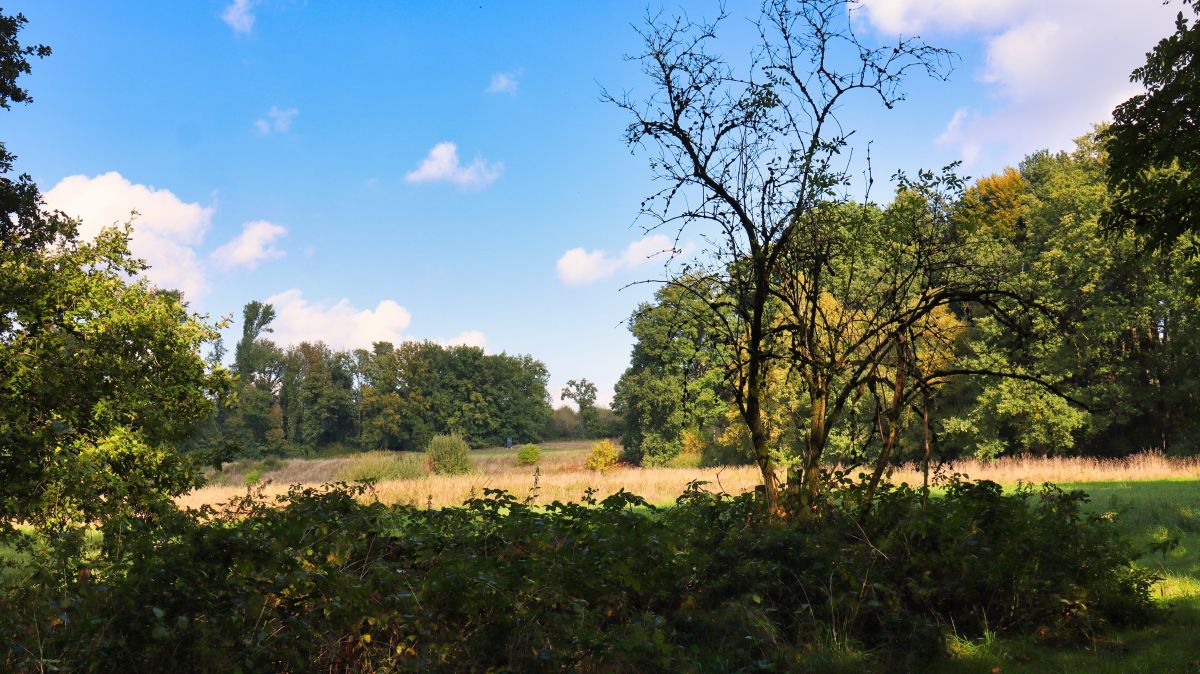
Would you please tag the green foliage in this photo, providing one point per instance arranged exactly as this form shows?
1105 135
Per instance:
448 455
100 373
1154 142
23 225
415 390
603 456
317 395
318 580
310 397
1115 330
529 455
583 392
674 380
563 422
99 377
380 467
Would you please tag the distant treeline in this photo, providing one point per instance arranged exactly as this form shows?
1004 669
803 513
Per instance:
309 397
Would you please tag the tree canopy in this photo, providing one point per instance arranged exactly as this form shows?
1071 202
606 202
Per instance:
1154 141
750 155
100 374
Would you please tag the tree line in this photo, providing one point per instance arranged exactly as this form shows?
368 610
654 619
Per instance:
309 397
1045 310
1105 362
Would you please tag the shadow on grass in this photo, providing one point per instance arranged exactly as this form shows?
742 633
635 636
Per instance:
1161 518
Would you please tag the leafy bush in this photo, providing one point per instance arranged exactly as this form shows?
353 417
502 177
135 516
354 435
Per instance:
380 467
682 460
448 455
529 455
603 456
317 580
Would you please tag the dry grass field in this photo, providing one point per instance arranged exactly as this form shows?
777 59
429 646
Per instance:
562 476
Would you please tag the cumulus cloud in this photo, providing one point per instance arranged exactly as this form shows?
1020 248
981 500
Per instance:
579 266
253 246
239 15
1054 68
278 120
164 232
467 338
912 16
504 83
442 165
342 325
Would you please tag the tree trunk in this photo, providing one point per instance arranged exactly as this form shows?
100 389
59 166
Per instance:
887 436
928 446
814 447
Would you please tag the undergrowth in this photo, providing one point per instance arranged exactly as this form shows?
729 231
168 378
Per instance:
318 580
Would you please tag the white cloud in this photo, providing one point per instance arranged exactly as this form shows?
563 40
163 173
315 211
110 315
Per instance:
912 16
164 232
504 83
578 266
1054 68
955 135
442 165
340 325
254 245
467 338
278 120
239 15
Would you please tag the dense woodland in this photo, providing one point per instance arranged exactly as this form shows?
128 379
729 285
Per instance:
1105 362
308 397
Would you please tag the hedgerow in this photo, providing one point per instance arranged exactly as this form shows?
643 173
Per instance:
318 580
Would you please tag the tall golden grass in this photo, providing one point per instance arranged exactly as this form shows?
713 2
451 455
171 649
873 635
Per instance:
562 477
1013 469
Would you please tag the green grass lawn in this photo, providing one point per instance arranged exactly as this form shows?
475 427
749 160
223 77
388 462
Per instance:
1152 513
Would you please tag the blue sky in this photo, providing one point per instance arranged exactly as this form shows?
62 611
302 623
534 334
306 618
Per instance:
446 170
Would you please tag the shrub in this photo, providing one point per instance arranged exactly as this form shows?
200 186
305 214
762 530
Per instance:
684 460
254 476
318 580
448 455
603 457
380 467
529 455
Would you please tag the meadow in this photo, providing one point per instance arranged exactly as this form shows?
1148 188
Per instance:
561 475
1154 499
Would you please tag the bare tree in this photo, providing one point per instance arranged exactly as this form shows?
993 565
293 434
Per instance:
746 155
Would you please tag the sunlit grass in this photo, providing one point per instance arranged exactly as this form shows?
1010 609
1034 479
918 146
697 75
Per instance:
562 475
1148 511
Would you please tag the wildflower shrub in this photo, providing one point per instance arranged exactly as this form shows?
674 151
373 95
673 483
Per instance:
529 455
448 455
603 456
318 580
